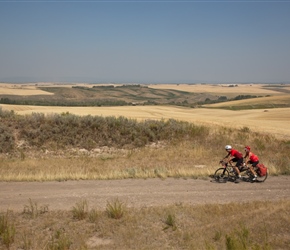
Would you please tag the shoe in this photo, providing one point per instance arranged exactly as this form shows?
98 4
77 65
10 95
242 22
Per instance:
255 178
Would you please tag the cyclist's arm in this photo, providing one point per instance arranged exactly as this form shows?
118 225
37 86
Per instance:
227 157
247 158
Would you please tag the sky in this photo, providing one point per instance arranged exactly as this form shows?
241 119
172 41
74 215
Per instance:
145 41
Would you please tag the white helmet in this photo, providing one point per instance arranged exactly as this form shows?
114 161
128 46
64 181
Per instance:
227 147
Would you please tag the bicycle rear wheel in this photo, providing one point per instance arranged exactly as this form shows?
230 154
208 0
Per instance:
262 178
221 175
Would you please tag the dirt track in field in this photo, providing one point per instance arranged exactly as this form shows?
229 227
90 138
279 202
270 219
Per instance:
139 192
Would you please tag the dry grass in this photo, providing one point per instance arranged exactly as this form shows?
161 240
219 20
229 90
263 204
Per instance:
150 162
258 225
187 159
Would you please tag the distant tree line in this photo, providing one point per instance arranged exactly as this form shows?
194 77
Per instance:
84 103
225 99
114 102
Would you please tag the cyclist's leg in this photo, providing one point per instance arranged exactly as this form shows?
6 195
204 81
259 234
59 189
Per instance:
239 163
252 168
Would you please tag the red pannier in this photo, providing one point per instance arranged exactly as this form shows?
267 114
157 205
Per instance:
262 170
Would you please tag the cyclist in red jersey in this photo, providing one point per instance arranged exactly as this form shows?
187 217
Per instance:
251 158
234 156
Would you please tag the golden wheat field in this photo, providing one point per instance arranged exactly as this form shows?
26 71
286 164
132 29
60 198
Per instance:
21 89
28 89
221 89
267 100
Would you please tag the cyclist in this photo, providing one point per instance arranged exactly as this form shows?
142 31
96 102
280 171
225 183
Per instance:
251 158
234 156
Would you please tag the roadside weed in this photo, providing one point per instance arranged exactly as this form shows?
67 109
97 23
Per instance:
115 209
32 209
80 210
26 241
170 222
7 230
93 215
59 241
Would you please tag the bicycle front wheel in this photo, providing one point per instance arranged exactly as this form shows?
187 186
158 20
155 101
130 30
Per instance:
221 175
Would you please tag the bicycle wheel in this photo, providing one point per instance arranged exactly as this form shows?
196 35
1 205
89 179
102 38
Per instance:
262 178
248 176
221 175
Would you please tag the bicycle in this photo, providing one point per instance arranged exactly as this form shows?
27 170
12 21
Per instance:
228 173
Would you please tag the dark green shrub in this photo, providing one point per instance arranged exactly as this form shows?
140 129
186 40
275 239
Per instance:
7 141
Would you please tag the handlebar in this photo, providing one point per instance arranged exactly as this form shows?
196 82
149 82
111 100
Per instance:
230 163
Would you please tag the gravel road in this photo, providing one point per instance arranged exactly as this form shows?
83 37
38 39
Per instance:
139 192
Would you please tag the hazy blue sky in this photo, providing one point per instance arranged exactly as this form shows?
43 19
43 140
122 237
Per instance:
145 41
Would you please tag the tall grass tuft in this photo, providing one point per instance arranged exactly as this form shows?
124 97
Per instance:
93 215
80 210
7 230
170 222
218 235
115 209
26 241
59 241
32 209
240 240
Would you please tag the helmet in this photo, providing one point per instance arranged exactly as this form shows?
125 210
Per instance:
228 147
247 148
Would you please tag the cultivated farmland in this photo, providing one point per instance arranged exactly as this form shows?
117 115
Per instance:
138 176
